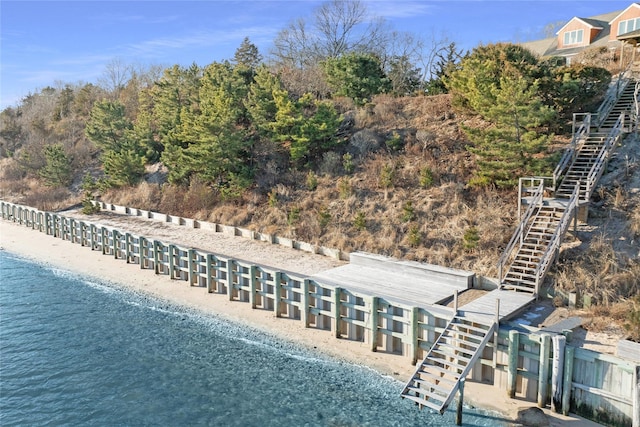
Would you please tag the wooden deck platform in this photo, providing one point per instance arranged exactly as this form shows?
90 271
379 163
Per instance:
403 288
484 307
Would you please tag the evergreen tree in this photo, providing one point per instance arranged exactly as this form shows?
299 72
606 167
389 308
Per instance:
57 169
356 75
500 83
107 125
247 55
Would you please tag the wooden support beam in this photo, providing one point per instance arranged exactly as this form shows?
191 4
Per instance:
415 344
543 370
556 376
192 274
460 402
512 367
209 267
253 284
635 422
373 323
230 278
568 376
277 294
306 302
337 293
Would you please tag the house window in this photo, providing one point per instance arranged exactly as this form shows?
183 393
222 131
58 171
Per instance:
628 26
573 37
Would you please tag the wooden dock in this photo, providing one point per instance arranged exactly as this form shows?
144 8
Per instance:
511 303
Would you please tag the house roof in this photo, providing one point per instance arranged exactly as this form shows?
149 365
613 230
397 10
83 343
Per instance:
594 23
549 46
623 11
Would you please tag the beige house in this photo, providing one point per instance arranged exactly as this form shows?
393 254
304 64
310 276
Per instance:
608 30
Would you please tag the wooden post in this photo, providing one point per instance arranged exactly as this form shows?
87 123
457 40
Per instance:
103 236
556 375
306 302
277 294
635 422
127 243
460 402
373 323
415 342
141 246
116 242
455 302
230 274
568 375
192 274
156 267
543 371
172 261
336 311
496 332
253 282
512 367
209 275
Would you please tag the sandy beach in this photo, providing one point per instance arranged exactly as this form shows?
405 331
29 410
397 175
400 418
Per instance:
34 245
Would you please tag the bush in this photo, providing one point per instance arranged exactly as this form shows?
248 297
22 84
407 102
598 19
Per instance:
312 181
408 213
347 163
471 238
360 221
415 236
426 177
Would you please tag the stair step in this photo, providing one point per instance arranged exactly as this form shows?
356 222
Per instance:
447 363
461 341
452 355
440 393
518 287
421 402
471 327
433 377
464 334
455 375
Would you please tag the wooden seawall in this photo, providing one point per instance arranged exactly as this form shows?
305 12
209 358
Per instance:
602 387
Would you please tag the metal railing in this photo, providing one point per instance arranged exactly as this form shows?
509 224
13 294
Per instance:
520 232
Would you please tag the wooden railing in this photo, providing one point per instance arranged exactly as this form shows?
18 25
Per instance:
599 166
554 245
521 231
610 100
579 136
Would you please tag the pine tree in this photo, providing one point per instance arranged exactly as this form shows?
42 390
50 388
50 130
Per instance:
57 169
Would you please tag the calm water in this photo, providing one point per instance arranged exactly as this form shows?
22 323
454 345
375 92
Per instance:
74 351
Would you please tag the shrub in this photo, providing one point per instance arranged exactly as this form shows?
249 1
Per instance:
426 177
294 215
632 324
415 236
395 142
471 238
344 188
312 181
273 198
360 221
347 163
408 213
324 218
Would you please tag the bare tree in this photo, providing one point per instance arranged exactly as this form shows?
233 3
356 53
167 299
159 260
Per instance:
115 76
339 26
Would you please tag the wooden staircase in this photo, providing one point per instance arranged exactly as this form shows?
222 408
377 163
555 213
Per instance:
523 273
449 360
586 157
624 105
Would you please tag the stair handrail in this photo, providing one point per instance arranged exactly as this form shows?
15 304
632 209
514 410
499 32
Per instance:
518 234
556 240
610 100
598 167
636 107
570 152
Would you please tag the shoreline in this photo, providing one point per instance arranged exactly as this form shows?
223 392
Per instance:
39 247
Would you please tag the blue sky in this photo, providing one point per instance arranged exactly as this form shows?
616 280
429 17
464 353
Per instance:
43 43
